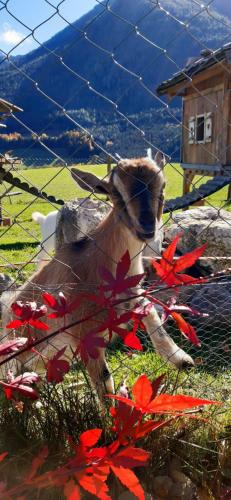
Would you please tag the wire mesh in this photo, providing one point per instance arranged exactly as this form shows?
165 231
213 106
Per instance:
96 124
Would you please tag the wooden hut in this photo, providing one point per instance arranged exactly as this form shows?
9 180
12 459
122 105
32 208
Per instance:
205 87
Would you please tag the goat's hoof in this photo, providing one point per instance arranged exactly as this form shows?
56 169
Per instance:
183 361
187 364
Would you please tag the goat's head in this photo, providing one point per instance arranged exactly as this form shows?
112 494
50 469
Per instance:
136 189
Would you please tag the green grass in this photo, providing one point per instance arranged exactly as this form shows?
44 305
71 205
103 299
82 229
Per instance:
18 242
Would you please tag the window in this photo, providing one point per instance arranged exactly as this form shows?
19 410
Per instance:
200 129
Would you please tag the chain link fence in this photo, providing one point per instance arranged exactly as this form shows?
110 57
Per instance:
88 96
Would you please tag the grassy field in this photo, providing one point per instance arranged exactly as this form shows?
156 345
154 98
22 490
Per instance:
18 242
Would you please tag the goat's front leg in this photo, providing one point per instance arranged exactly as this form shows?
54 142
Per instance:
161 341
100 375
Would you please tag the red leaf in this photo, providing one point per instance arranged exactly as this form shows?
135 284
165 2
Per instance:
120 283
71 491
179 402
132 341
60 305
15 323
89 346
19 384
106 275
90 438
130 457
36 323
50 300
127 401
12 345
94 485
56 369
169 253
156 384
145 428
187 260
25 390
3 455
123 266
186 329
129 479
168 269
36 464
160 404
142 391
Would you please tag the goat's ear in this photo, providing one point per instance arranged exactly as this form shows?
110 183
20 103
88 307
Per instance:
160 160
89 182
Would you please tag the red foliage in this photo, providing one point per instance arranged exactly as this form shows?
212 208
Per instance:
12 345
147 402
21 385
185 328
90 465
28 314
37 462
57 368
169 269
60 305
89 346
3 455
121 282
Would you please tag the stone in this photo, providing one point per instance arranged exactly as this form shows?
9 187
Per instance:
127 495
6 282
7 285
203 225
78 217
162 486
182 491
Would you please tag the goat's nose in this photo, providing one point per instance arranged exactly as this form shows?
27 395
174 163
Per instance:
148 227
147 224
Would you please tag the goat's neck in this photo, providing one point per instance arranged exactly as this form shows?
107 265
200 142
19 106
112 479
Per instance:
115 238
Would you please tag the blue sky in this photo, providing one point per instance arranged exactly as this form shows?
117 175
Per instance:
31 13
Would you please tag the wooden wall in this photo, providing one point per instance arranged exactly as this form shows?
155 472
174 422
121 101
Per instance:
212 101
227 106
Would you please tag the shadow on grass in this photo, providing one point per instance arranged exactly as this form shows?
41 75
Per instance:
19 245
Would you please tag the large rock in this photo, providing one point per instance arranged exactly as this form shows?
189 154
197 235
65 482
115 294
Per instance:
6 282
78 217
203 225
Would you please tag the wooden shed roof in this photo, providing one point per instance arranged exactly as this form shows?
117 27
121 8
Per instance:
195 66
7 107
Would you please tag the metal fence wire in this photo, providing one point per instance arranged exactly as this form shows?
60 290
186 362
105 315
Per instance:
125 130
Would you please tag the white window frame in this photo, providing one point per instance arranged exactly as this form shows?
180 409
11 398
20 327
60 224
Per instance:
209 120
191 129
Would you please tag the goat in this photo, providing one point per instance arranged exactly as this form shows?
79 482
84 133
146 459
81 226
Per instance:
135 188
48 227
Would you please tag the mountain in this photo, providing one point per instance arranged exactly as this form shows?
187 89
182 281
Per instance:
116 54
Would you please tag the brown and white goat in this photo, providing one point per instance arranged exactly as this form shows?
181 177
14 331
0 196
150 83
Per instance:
135 188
